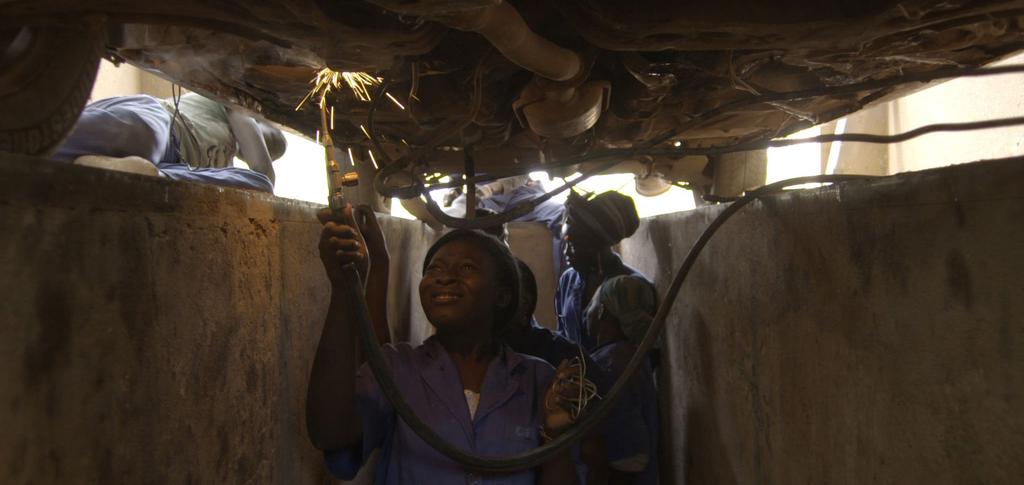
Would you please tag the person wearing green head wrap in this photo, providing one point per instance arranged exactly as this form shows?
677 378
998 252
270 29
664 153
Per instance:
623 308
618 316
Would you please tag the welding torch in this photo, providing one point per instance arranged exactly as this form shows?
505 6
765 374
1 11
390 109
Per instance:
336 178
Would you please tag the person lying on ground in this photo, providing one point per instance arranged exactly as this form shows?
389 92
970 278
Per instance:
194 139
464 383
618 318
503 194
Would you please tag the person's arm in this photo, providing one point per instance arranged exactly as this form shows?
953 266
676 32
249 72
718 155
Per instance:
251 145
626 436
377 278
616 477
557 418
545 344
332 419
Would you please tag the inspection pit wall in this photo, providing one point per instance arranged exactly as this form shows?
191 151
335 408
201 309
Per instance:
865 333
161 332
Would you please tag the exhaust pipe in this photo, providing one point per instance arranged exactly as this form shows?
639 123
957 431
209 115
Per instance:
506 30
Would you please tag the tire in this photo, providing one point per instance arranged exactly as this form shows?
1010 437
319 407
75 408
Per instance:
46 76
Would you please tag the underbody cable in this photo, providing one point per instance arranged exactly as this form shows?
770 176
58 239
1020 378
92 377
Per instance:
627 153
392 168
352 290
844 89
420 188
516 211
618 155
846 137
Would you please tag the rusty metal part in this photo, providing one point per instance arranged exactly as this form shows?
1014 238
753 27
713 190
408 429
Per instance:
562 109
562 112
217 25
679 70
506 30
426 8
651 185
640 86
806 26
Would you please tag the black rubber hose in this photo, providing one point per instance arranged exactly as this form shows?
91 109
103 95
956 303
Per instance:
521 461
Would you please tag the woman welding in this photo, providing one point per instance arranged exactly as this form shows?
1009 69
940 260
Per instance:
463 382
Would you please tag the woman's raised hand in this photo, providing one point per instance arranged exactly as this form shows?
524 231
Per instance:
341 243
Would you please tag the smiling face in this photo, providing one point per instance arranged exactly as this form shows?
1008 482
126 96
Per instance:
460 289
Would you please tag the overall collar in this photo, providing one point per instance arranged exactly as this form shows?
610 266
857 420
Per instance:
501 382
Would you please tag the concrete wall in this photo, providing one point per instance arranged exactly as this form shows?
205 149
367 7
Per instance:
870 333
155 332
125 79
969 99
532 243
162 332
957 100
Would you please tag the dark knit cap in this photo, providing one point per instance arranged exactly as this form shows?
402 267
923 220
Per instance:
504 263
610 216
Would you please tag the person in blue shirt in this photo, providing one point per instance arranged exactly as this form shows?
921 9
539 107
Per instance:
192 138
529 337
618 318
503 194
592 226
463 382
549 212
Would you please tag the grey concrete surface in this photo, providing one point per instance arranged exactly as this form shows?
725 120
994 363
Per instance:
161 332
532 243
864 333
